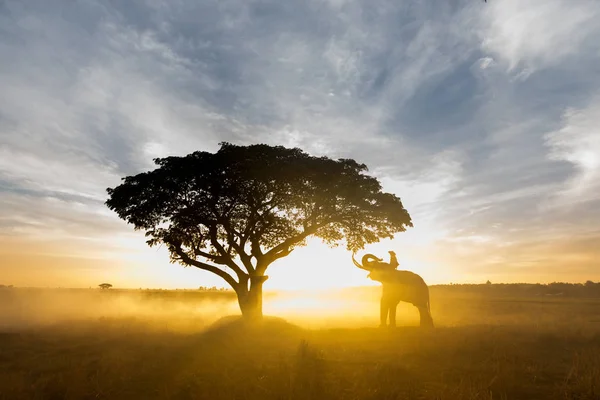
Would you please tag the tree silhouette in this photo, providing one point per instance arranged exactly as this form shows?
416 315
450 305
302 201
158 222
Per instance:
236 211
105 285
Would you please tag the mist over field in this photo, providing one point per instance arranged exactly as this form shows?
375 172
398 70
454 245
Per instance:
490 341
181 309
31 308
542 306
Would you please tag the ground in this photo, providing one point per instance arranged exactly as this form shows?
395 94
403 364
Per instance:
162 346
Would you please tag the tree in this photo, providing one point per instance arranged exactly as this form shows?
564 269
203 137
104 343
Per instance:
237 211
105 285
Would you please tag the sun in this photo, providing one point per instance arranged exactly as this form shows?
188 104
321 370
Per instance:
315 266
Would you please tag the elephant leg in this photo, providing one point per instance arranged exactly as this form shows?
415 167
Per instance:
429 320
392 311
425 317
383 311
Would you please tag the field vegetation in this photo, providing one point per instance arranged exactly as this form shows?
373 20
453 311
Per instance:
490 342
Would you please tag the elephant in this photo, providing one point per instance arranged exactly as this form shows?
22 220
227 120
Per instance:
397 286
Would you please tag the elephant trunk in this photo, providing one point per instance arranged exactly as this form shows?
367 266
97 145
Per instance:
358 264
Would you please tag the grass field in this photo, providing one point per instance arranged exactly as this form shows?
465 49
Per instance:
166 345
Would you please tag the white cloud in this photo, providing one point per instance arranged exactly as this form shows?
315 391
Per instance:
578 142
539 33
486 62
73 175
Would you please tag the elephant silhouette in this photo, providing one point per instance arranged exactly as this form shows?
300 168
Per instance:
397 286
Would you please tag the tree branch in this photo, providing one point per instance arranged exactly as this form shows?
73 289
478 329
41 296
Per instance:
249 233
286 244
237 247
216 259
255 245
281 254
226 257
207 267
285 248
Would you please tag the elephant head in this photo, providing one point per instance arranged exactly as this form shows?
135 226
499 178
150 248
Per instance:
371 262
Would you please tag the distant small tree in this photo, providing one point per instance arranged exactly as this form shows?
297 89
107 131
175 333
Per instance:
488 283
105 285
237 211
589 284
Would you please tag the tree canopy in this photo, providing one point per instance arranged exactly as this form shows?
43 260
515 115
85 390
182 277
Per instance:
236 211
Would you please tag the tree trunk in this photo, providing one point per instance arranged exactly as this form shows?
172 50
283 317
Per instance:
250 301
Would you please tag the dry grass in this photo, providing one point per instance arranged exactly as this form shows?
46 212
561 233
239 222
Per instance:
483 348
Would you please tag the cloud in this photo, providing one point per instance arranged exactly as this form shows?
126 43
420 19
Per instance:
540 33
578 143
457 107
486 62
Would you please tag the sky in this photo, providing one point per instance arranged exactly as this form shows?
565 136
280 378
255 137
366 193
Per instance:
483 117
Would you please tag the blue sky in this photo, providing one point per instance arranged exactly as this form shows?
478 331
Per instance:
483 117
